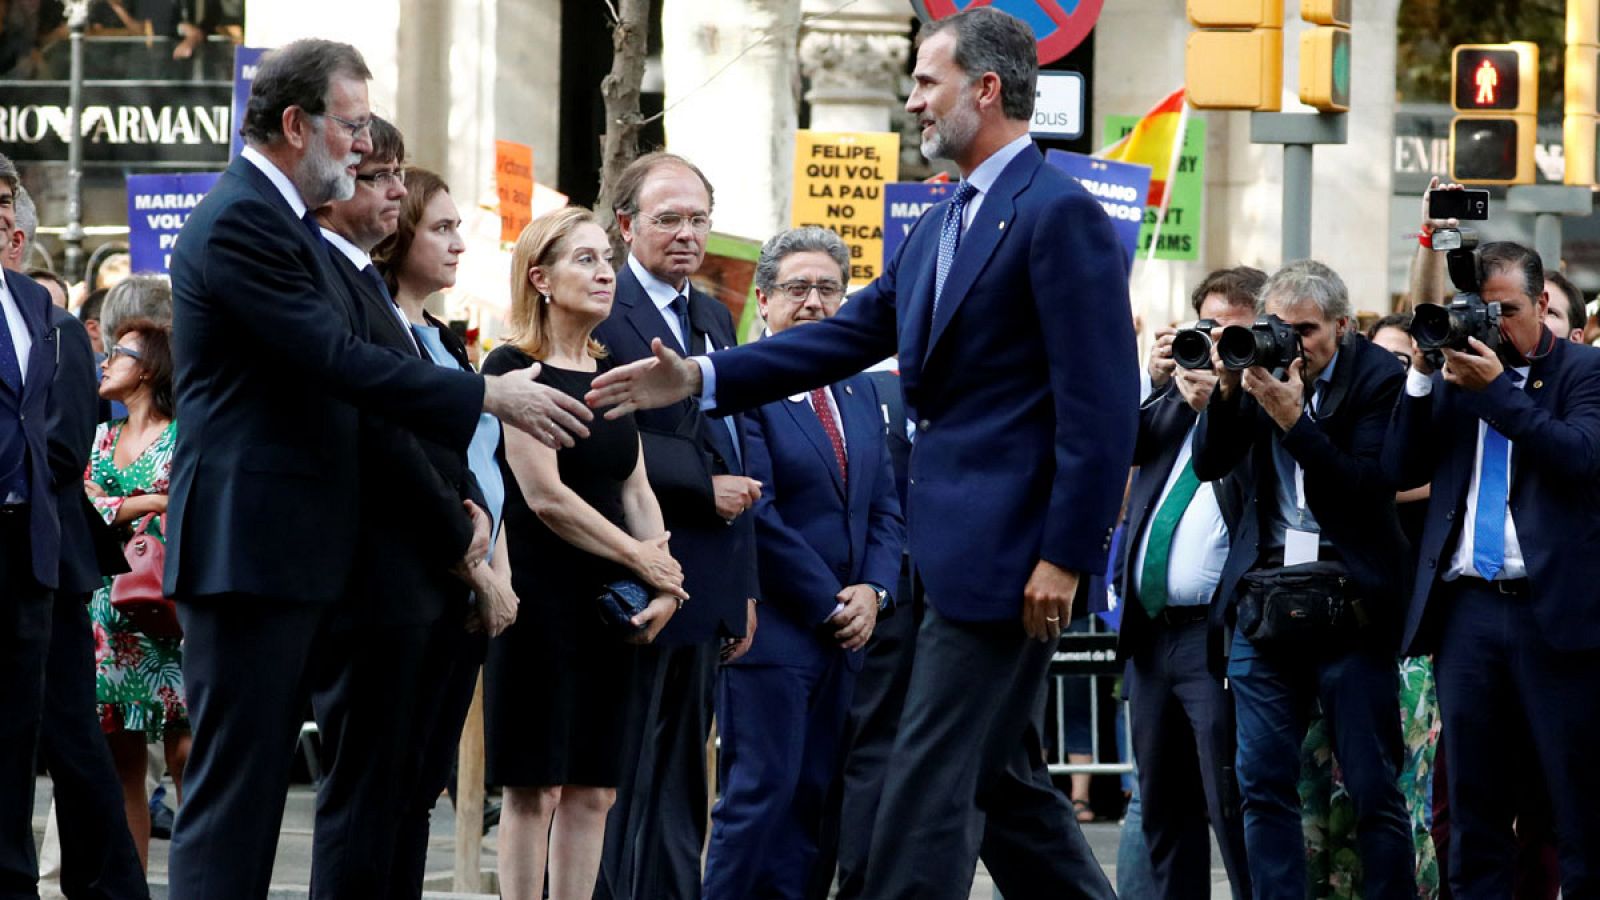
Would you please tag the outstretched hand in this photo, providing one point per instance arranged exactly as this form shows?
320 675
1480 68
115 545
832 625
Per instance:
550 416
660 380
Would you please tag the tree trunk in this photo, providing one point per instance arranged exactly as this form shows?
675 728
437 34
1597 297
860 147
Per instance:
620 90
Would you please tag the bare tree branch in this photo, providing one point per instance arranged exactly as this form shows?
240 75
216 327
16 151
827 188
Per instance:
620 90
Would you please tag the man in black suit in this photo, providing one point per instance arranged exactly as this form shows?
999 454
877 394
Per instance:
273 372
30 544
657 828
1510 440
1177 539
1314 433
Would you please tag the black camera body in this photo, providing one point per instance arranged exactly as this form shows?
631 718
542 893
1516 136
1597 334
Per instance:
1270 343
1436 327
1191 347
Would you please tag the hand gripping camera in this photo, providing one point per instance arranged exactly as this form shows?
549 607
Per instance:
1437 327
1191 347
1270 343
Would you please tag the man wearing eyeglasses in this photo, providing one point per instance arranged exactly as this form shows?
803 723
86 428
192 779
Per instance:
657 828
273 371
828 540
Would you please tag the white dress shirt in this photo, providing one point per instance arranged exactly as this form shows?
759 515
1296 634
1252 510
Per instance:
1420 385
359 258
662 295
1199 543
18 326
279 180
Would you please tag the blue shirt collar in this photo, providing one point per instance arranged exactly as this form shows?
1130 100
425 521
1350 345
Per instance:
988 171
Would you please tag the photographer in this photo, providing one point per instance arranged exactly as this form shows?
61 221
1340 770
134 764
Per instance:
1315 572
1510 439
1168 569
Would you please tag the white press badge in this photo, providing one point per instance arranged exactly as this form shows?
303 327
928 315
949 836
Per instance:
1300 546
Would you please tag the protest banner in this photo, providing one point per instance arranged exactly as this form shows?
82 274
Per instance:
903 203
1121 189
245 60
1185 187
158 205
513 182
839 179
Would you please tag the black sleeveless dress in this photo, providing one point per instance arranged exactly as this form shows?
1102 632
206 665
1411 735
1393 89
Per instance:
559 689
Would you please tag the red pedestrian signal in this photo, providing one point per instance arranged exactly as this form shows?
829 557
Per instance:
1495 77
1496 88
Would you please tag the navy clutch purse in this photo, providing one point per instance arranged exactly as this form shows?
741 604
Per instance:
619 602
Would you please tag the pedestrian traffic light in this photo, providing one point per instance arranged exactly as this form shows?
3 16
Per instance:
1325 68
1326 12
1581 93
1235 58
1497 87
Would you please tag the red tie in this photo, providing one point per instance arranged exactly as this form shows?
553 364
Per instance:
830 427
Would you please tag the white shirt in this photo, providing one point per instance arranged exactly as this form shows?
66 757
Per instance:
18 326
982 178
1420 385
1199 543
359 258
833 407
279 180
662 295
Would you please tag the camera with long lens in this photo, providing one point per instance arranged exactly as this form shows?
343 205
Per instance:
1191 347
1270 343
1436 327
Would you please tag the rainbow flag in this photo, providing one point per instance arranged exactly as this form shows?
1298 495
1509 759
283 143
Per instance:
1154 142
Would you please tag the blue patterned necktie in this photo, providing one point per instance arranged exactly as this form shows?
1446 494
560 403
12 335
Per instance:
950 237
1489 531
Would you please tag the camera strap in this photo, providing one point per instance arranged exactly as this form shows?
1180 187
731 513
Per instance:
1513 358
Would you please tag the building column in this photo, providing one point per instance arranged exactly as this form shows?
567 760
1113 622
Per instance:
854 62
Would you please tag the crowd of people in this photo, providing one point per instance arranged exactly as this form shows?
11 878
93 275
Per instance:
1348 565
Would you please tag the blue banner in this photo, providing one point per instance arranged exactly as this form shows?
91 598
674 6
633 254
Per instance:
903 203
158 205
1120 187
244 72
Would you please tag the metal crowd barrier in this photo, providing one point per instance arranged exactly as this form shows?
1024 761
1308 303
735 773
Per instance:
1091 655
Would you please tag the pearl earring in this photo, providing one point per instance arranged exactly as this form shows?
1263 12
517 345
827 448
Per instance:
546 298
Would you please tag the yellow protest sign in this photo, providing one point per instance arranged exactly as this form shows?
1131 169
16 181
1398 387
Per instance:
838 184
513 181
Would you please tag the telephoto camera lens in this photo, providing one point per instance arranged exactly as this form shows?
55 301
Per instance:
1270 343
1191 347
1436 327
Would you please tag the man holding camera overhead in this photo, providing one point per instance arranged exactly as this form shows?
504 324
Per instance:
1505 596
1315 573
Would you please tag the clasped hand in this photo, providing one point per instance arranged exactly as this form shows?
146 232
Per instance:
654 565
854 623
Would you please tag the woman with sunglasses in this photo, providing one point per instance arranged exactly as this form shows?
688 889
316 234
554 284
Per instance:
138 678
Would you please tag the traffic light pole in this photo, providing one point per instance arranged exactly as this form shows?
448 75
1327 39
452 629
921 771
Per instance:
1298 133
1548 203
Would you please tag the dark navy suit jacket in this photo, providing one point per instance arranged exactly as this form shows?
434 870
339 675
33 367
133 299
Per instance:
683 448
89 547
1346 487
1554 426
815 532
272 363
33 406
1025 385
1164 423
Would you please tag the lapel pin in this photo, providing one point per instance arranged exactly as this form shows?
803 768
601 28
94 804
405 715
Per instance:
849 390
1538 384
1002 225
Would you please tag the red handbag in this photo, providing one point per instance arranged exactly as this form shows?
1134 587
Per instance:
137 593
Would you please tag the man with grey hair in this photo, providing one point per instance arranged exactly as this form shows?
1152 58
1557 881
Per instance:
828 540
273 370
1323 527
15 252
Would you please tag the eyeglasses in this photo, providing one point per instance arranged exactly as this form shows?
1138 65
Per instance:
119 350
669 223
355 128
800 290
384 177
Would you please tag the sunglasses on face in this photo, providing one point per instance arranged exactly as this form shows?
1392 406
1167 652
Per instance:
120 350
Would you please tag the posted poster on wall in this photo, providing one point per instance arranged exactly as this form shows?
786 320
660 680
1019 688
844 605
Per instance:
513 182
1180 229
1120 187
158 205
839 180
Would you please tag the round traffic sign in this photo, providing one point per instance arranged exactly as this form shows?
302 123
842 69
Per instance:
1059 26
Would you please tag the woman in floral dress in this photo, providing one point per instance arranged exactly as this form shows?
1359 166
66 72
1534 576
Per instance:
138 679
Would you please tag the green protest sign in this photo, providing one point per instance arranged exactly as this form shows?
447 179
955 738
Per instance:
1180 232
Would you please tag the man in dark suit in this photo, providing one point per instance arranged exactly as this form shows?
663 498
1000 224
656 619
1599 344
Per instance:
1318 493
98 856
1510 440
416 545
1008 308
828 539
1177 538
30 544
273 370
656 831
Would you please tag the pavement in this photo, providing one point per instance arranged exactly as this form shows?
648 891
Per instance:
292 869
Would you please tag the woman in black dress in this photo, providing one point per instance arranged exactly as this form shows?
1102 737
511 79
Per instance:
559 685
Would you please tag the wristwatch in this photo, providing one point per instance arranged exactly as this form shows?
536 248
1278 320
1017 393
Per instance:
885 602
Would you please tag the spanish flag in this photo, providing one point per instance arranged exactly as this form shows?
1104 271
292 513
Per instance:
1154 142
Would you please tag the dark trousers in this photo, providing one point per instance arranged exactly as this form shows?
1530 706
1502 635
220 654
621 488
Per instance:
456 657
781 728
875 708
1183 738
98 858
1360 695
249 665
1538 867
969 776
25 613
1511 703
368 714
657 828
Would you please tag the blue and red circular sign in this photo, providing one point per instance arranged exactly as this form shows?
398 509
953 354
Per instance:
1059 26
